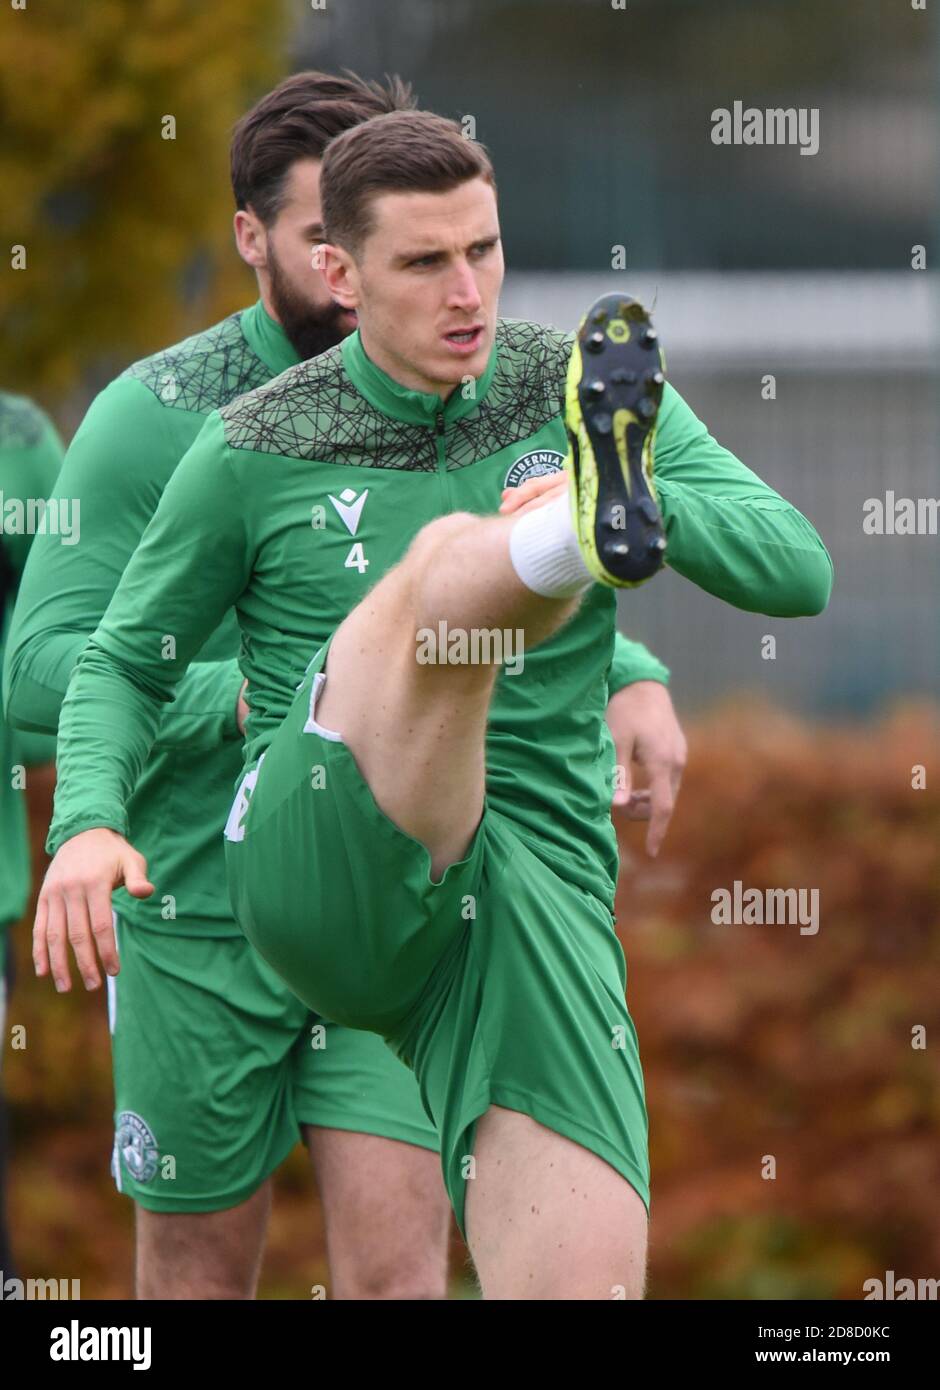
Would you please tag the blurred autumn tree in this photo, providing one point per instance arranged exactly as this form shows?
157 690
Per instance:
125 221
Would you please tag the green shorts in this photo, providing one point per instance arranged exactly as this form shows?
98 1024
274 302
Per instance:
500 984
217 1065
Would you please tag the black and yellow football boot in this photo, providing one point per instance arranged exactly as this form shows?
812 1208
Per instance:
614 391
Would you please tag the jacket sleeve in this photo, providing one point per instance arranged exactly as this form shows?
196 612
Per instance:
111 481
633 662
191 566
729 532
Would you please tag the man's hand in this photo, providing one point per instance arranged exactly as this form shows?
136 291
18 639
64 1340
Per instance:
535 493
646 731
75 905
242 710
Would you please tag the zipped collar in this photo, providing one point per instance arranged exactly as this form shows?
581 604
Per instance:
411 407
267 338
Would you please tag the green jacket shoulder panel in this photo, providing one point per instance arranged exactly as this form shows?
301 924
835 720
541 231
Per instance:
22 423
315 411
202 372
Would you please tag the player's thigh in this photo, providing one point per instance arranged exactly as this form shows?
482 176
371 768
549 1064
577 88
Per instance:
375 649
380 699
338 898
547 1218
375 1156
205 1255
386 1214
202 1034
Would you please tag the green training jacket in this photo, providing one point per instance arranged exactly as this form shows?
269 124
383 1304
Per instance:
129 444
296 498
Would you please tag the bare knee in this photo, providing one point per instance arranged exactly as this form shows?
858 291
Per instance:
441 531
380 631
421 567
418 1274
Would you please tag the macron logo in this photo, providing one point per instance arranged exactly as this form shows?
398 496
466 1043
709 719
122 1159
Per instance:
349 507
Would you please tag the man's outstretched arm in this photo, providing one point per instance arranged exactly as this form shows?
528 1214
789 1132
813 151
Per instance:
727 530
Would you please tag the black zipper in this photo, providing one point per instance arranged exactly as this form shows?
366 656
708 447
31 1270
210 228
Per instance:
439 427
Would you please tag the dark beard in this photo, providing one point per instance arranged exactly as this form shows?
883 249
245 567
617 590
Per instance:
310 331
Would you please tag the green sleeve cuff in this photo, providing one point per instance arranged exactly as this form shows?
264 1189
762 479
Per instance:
68 829
633 662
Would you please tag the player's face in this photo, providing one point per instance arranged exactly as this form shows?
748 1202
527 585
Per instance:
297 293
426 284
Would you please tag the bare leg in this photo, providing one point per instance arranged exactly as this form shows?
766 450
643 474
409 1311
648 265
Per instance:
381 699
548 1219
386 1213
204 1256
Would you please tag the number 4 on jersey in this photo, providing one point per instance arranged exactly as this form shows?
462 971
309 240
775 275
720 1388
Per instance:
356 560
349 508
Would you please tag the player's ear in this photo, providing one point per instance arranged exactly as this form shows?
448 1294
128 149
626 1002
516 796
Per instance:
250 238
339 274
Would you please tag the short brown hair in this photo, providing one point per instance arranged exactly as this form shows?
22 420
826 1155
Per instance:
296 121
401 152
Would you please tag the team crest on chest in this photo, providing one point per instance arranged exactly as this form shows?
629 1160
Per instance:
534 464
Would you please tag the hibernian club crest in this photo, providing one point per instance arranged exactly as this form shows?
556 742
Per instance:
534 465
137 1146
